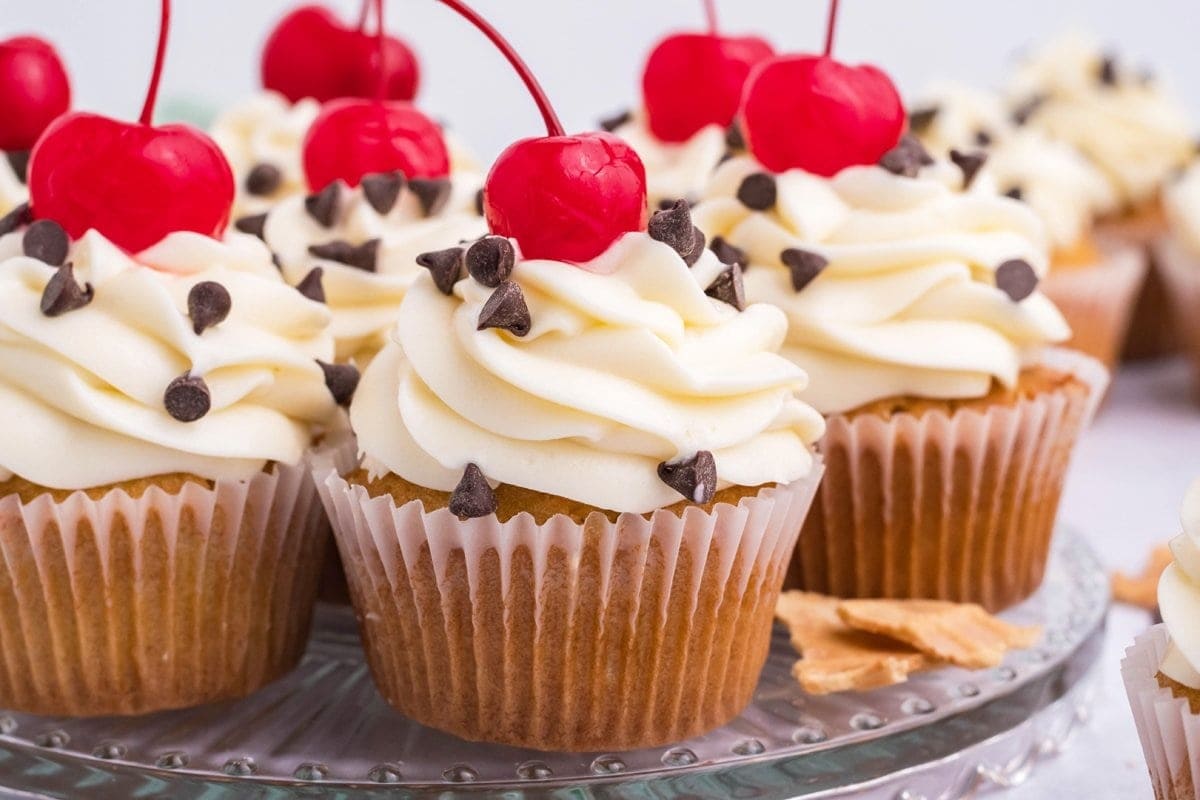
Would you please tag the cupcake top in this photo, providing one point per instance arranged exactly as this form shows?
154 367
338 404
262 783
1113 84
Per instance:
912 278
191 357
674 170
1181 199
1179 597
13 191
366 242
627 383
1123 120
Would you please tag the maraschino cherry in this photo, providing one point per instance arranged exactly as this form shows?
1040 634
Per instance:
560 197
352 138
34 90
819 115
310 53
693 80
132 182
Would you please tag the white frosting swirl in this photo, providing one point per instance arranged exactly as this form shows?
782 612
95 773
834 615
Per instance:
365 304
628 364
675 170
1133 128
84 391
964 117
1179 597
1182 202
908 303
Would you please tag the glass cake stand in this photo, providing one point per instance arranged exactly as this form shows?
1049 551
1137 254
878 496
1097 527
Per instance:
323 731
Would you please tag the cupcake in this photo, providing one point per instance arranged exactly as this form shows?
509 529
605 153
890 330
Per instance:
1162 670
1177 257
584 466
1133 129
911 289
34 91
1094 286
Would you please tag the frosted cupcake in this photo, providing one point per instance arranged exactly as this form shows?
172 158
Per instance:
1177 257
1162 669
1094 286
1130 126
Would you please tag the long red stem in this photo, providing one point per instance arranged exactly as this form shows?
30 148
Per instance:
831 27
710 13
554 126
364 13
160 58
380 82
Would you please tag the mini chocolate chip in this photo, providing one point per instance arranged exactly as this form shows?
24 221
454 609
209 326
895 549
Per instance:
969 163
491 260
1016 279
264 180
187 398
382 190
341 380
610 124
21 215
473 497
674 228
804 265
63 294
323 205
758 191
208 304
735 140
363 256
446 267
310 285
1022 113
919 119
432 194
728 288
277 261
1015 192
46 241
695 478
983 138
728 253
19 161
479 202
255 225
906 158
506 310
1107 72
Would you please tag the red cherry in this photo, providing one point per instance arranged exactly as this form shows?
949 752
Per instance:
132 182
34 90
352 138
310 53
565 198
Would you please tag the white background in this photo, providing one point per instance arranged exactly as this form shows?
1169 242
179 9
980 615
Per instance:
1131 470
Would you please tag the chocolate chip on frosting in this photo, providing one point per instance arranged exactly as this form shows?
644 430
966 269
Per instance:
21 215
479 202
341 380
382 190
695 478
1106 73
506 309
804 265
610 124
1015 192
254 224
323 205
63 293
969 163
667 203
906 158
446 266
1016 279
735 140
19 161
46 241
674 228
758 191
187 398
432 194
473 497
919 119
1024 111
208 304
491 260
310 285
364 256
728 253
264 180
728 288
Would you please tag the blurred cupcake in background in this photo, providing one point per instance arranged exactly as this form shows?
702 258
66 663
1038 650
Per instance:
1095 287
1177 256
34 91
1129 125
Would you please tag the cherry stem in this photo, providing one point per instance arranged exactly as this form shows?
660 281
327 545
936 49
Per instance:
364 14
831 27
380 82
160 58
554 126
710 13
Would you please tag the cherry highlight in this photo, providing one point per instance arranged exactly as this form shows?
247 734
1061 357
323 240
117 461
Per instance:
160 58
554 126
831 27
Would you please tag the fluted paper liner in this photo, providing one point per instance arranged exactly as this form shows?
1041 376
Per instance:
1152 331
1098 300
562 636
1169 731
123 605
1180 270
949 506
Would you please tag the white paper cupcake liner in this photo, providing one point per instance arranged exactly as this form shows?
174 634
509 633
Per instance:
1179 268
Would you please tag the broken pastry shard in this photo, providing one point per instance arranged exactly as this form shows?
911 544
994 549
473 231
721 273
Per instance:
1142 590
962 634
